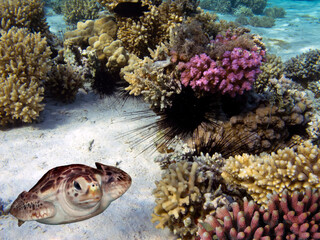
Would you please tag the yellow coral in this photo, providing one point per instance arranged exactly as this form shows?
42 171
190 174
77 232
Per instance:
24 63
290 168
23 13
175 196
77 10
153 78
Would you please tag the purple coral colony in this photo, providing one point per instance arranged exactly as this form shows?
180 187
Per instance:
237 130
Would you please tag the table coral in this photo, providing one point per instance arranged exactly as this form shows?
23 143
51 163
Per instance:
292 169
289 217
24 64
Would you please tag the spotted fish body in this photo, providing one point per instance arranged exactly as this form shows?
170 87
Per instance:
71 193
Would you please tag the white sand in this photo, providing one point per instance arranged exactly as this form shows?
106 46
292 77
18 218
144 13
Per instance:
63 137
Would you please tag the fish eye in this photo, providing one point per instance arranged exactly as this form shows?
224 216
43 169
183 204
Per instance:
76 185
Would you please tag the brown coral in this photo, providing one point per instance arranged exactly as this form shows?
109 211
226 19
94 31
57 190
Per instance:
190 188
291 169
24 63
154 78
78 10
23 13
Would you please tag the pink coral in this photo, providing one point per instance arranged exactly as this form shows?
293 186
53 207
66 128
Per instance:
234 74
292 217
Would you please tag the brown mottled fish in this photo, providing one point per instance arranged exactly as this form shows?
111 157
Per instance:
71 193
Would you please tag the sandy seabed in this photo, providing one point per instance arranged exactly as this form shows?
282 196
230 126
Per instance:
92 129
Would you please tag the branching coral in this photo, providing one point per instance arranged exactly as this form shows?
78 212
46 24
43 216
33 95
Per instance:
291 169
236 74
78 10
65 78
291 217
154 78
270 69
23 14
149 30
190 189
24 64
304 67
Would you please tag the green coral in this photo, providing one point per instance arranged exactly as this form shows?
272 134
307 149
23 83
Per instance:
24 64
275 12
262 21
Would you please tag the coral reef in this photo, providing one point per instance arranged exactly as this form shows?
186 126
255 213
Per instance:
229 6
236 74
23 14
65 78
272 68
97 34
78 10
275 12
190 188
291 217
304 67
154 78
24 64
148 30
295 168
262 21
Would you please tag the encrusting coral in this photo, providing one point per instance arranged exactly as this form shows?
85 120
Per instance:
291 169
24 64
289 217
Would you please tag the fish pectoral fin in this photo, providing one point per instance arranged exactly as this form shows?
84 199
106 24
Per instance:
28 206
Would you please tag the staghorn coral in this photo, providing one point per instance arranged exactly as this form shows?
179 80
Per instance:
23 14
291 217
154 78
295 168
78 10
304 67
24 63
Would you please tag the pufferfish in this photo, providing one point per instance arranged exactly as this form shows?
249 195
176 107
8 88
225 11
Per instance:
71 193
